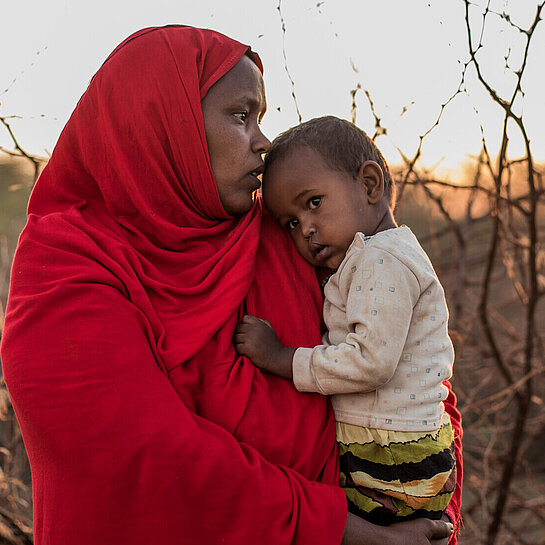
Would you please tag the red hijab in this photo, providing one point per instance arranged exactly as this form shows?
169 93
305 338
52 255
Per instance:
141 423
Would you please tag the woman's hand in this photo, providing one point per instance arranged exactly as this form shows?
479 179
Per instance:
256 339
445 540
414 532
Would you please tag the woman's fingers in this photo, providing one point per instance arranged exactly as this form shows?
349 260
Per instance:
440 529
419 532
444 540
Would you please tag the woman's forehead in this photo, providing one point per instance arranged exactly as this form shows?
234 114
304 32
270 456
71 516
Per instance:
243 82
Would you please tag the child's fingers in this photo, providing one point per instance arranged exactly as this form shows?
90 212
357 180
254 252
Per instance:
240 337
244 329
249 319
241 349
247 324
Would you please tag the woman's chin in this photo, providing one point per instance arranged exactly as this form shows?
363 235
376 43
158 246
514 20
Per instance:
242 207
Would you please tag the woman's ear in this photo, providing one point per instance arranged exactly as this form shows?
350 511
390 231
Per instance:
371 176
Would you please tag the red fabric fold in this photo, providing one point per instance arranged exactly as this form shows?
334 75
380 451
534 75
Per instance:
454 507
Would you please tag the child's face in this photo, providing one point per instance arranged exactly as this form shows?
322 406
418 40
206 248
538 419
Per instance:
321 208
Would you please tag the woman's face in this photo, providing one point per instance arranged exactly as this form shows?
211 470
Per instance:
232 111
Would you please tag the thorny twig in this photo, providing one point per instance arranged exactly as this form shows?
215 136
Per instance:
37 162
292 83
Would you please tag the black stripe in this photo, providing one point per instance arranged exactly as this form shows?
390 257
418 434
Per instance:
383 517
406 472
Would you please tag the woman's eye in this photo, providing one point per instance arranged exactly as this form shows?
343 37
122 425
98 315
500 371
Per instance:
292 224
314 202
241 115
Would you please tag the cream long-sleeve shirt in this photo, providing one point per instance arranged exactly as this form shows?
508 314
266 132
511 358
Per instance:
386 351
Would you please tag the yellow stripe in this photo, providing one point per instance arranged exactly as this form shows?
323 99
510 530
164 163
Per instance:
414 493
415 447
367 504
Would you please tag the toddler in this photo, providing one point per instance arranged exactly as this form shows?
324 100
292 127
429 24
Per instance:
386 351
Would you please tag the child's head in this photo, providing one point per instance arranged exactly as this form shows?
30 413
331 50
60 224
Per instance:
324 181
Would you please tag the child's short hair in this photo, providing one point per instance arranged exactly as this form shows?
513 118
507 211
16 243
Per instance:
342 145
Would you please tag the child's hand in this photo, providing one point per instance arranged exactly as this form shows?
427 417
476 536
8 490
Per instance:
256 339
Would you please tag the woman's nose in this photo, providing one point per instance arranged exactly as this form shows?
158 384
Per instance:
261 144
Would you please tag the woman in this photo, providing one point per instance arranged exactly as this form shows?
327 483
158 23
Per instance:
142 250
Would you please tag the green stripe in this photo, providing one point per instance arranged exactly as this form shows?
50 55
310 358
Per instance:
363 503
438 503
367 504
412 451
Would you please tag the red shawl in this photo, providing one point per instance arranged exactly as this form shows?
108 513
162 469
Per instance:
141 424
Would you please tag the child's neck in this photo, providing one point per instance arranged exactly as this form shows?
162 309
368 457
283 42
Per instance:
386 221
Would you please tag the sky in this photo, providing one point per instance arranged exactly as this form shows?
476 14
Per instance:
407 54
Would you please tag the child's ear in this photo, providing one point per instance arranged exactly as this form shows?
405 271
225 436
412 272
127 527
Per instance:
372 177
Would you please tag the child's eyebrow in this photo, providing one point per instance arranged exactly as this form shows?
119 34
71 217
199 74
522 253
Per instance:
302 194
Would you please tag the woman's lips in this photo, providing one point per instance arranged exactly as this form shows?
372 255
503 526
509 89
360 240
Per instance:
256 182
255 176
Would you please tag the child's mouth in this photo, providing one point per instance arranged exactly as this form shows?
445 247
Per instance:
319 252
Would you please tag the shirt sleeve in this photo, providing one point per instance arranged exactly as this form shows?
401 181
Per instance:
378 292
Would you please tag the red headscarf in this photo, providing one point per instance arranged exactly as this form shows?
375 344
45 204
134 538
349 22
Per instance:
141 424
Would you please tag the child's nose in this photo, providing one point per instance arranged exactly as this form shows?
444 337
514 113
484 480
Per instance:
308 229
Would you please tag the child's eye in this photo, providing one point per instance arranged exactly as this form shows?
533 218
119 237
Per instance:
292 224
314 202
242 115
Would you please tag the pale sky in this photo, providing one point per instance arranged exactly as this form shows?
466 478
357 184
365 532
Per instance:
408 54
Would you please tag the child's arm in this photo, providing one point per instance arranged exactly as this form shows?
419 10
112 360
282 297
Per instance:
256 339
372 297
367 363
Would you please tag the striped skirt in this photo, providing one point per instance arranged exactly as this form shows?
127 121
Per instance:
390 476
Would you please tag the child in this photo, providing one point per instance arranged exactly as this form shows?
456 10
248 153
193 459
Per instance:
386 351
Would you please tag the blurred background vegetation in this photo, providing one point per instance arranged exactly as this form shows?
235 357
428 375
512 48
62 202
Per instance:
16 180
